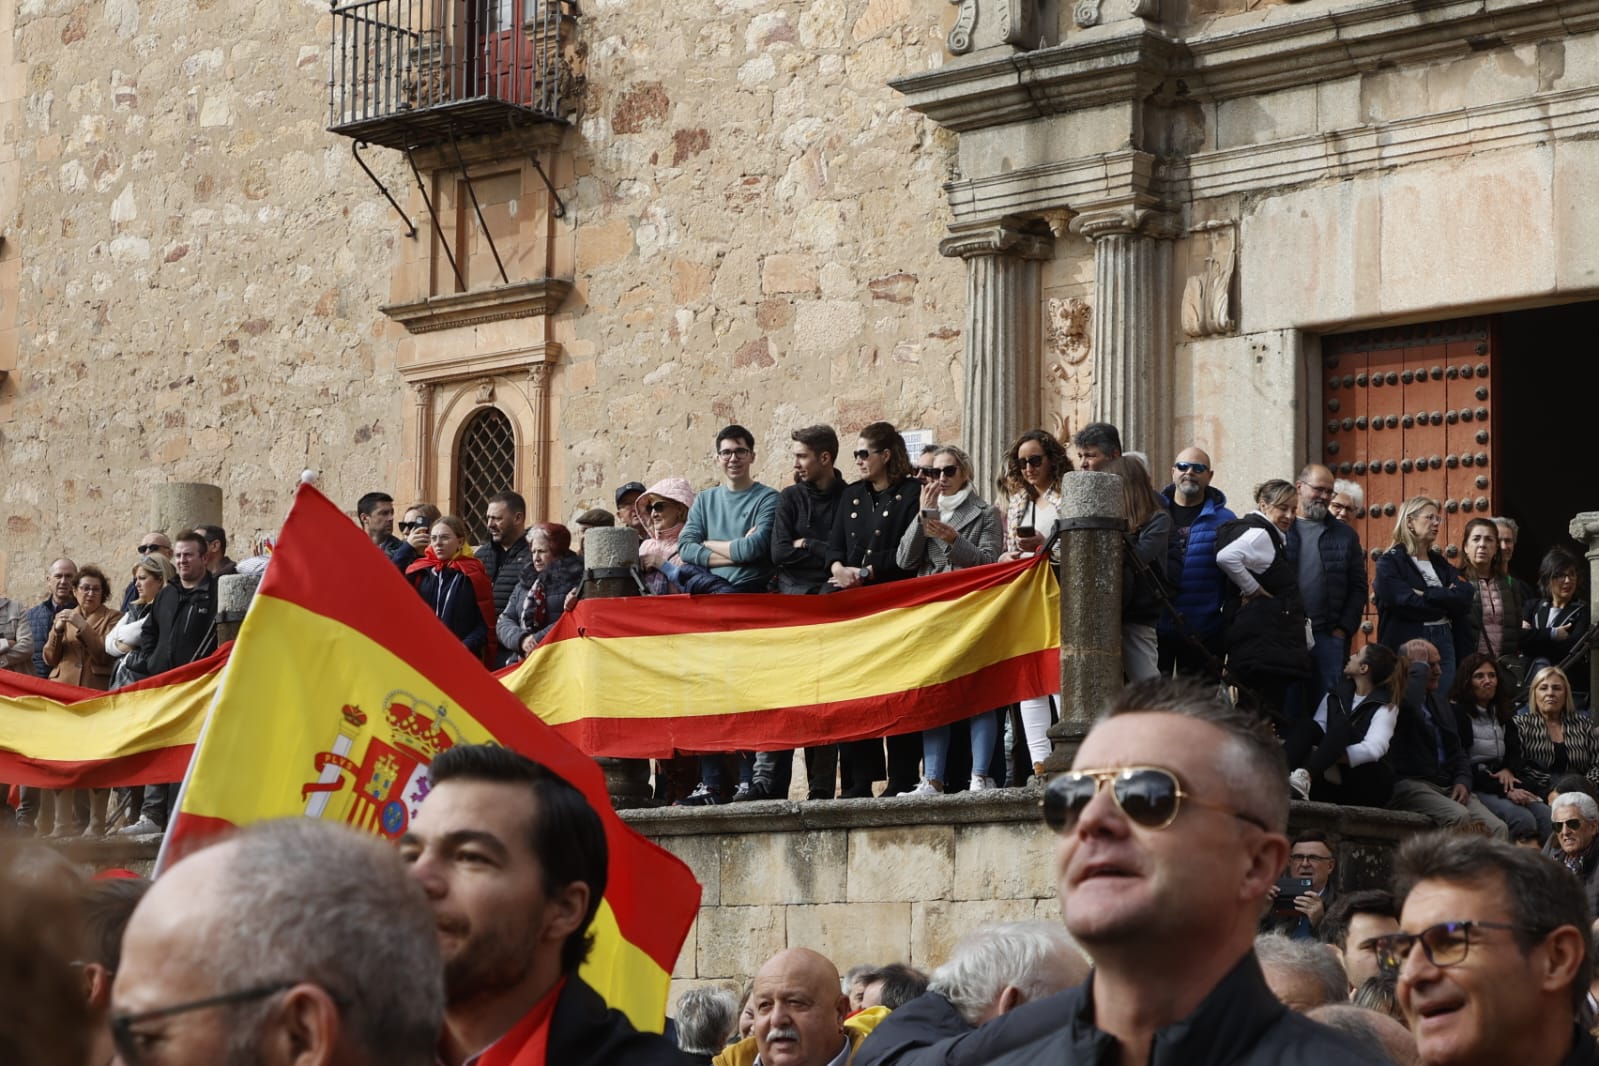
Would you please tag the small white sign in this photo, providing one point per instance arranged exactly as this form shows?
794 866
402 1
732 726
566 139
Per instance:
916 440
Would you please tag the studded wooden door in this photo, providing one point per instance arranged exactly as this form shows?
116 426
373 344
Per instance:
1409 412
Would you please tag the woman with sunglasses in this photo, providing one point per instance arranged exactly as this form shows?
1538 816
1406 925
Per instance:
1559 617
964 533
1496 607
1262 614
1350 764
1556 738
663 508
416 530
1484 718
1418 594
1149 527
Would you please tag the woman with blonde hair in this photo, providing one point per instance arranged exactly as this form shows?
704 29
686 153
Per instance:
1419 595
1149 527
1556 738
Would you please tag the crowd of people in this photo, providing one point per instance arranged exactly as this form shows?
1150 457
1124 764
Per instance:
1466 706
1193 932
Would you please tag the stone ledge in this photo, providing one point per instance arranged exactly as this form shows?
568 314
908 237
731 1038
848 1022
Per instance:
522 299
781 816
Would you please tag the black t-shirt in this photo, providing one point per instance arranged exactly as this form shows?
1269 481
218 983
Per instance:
1182 519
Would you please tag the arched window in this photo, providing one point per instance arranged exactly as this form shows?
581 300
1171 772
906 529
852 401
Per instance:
486 464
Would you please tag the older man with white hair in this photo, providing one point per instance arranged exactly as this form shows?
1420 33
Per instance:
1302 973
1576 842
993 972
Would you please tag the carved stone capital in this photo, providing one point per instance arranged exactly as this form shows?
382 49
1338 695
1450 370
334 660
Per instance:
1003 237
1143 221
422 393
539 374
960 35
1585 527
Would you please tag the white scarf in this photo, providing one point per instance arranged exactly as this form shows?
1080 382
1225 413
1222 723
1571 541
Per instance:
948 505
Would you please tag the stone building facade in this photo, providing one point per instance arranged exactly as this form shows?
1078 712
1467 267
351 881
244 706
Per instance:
968 218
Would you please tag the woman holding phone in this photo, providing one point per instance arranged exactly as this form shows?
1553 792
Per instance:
957 529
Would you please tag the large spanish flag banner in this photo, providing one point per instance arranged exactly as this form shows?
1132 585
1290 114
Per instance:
765 672
341 689
63 736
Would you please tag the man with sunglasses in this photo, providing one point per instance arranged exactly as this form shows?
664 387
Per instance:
149 544
1197 510
294 941
1492 960
1170 832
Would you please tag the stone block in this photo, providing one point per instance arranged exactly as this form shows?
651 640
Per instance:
1576 225
1261 371
788 274
703 855
937 925
1012 860
1483 78
827 326
687 962
853 933
1332 235
1338 105
882 862
732 942
805 867
1266 117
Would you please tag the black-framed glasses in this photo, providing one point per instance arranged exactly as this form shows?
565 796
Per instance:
1032 460
1310 858
1150 796
1444 944
734 453
862 453
147 549
1186 467
1573 824
129 1043
943 471
926 472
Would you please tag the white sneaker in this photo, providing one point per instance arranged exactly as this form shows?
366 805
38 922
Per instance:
924 789
980 783
1299 781
142 828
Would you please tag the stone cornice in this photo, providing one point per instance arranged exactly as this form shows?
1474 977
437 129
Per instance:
534 360
522 299
1003 237
1283 47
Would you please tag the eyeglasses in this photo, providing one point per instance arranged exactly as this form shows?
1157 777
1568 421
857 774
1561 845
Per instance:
1310 858
130 1045
1573 824
734 453
860 456
1444 944
943 471
1195 468
1340 509
1032 460
146 549
657 506
1148 795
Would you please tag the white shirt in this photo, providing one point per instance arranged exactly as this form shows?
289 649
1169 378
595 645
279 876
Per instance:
1247 556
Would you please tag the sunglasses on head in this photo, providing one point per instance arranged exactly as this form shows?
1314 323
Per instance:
1031 460
1197 468
862 454
1149 796
1573 824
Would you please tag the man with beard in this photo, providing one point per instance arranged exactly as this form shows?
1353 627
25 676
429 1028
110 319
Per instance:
1170 833
1332 581
513 860
1197 511
293 943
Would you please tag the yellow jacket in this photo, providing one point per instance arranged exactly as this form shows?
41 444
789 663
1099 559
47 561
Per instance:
856 1028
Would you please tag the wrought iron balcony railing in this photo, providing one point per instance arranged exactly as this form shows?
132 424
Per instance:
412 73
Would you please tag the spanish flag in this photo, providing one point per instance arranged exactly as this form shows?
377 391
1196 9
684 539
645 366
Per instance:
632 679
62 736
343 687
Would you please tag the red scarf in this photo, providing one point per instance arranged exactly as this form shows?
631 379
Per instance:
525 1044
482 588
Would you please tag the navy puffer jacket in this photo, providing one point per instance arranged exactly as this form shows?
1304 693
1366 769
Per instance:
1192 568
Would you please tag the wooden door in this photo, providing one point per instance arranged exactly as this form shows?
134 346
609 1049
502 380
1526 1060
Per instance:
1409 412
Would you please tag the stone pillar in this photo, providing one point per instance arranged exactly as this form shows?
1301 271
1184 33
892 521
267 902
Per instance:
1002 371
1092 521
539 500
610 559
1585 527
422 441
1132 326
179 505
235 593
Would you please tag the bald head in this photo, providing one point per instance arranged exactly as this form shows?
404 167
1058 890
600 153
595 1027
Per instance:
1315 489
799 1010
159 541
1190 476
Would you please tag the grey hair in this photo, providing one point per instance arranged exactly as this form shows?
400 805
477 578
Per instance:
1509 523
1309 957
705 1018
1035 957
1352 490
308 900
1582 801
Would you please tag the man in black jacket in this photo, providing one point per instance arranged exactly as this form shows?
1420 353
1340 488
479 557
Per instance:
1331 568
1171 831
514 861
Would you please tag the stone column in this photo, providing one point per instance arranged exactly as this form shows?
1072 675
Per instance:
1585 527
1002 375
1092 521
539 375
610 559
179 505
422 395
1132 326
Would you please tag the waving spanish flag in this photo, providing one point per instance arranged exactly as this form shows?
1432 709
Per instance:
342 688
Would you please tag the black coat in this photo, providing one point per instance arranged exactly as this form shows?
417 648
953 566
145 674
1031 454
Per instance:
183 624
504 567
917 1039
1240 1023
1343 563
803 513
1402 612
585 1032
899 1039
869 526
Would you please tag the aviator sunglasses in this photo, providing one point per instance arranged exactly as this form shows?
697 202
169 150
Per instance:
1149 796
